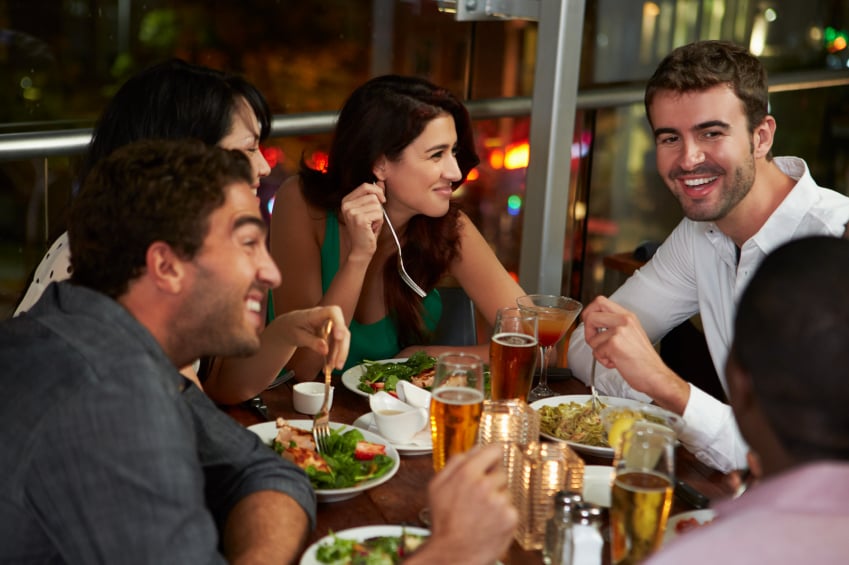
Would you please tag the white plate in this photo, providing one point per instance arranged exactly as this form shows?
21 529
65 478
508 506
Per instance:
420 444
581 399
351 377
597 484
359 534
702 517
267 431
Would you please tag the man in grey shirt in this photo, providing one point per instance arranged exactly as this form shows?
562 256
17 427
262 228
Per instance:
109 455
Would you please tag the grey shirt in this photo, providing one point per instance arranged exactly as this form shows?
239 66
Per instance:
107 454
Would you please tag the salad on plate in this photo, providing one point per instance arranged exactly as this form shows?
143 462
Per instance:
348 461
418 369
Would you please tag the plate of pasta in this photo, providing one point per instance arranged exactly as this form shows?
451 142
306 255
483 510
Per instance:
570 419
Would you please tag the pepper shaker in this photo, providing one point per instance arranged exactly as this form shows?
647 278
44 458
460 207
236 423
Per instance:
558 530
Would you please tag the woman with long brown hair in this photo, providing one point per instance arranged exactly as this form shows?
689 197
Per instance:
404 145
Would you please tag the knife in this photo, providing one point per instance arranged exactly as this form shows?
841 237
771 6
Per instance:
690 495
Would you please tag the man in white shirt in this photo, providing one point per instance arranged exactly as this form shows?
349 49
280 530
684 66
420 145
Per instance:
707 104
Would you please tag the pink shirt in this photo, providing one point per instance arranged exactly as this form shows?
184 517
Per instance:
798 517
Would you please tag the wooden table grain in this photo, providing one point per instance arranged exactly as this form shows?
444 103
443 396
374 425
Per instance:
399 500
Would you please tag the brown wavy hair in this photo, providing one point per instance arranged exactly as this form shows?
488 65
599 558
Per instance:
704 64
382 117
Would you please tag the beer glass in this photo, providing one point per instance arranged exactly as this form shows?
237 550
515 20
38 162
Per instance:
642 492
512 353
456 404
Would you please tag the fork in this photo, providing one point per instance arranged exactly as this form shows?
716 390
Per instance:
321 422
596 402
401 270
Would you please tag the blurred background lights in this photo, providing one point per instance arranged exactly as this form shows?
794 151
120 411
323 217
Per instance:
835 40
514 204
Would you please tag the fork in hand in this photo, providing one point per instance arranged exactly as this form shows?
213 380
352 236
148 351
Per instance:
321 422
596 402
401 270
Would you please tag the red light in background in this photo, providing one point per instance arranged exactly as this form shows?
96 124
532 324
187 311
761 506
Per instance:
319 161
272 155
473 175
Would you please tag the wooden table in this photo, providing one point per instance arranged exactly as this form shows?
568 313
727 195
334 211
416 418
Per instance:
399 500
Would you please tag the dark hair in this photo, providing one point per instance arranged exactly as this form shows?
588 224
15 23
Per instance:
381 118
791 336
173 100
705 64
147 191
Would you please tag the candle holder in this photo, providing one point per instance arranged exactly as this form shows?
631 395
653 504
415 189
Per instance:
544 468
510 420
513 424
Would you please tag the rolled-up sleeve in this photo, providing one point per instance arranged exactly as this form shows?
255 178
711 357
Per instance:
236 463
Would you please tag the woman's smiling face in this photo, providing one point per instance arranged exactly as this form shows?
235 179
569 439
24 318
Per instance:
420 181
244 136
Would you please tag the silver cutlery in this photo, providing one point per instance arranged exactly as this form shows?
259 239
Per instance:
321 422
401 270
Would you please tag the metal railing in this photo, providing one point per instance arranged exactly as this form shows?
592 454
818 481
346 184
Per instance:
74 141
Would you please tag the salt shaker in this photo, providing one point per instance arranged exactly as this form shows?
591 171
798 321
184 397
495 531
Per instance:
558 530
587 541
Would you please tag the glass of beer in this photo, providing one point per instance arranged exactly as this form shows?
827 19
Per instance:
513 353
642 492
455 406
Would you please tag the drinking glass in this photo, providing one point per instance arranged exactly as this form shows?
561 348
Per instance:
642 492
512 353
456 404
555 314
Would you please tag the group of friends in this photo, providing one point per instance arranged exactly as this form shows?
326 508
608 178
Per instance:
114 449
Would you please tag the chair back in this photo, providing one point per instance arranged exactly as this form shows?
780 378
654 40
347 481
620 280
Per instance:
457 325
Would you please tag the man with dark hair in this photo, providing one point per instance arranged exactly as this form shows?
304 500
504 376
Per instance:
707 105
108 453
787 373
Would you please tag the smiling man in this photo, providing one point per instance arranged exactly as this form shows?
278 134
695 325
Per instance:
107 453
707 104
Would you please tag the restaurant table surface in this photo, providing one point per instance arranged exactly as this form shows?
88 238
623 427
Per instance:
399 500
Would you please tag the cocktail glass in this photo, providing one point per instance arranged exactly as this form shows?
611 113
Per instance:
555 315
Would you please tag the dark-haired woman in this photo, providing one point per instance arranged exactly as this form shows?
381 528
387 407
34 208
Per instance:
402 144
179 100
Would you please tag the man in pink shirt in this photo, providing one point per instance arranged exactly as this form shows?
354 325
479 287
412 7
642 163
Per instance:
788 373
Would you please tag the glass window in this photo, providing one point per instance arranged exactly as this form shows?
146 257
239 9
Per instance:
63 60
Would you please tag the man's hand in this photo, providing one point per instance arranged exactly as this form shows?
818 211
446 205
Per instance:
619 342
302 328
473 520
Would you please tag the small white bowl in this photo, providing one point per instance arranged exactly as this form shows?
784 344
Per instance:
397 421
308 397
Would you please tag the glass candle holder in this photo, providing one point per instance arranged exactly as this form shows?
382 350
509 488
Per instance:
544 468
514 425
